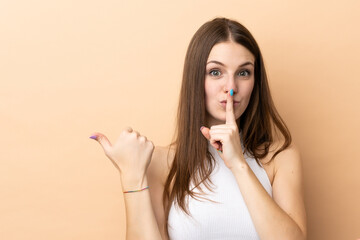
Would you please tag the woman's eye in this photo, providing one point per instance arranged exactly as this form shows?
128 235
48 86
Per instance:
244 73
215 73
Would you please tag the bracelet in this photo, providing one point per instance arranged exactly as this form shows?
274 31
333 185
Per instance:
137 190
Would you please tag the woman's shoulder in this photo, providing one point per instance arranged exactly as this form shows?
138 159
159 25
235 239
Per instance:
287 158
161 161
165 154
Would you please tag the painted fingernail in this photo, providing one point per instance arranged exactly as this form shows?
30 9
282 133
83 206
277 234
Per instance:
231 92
93 137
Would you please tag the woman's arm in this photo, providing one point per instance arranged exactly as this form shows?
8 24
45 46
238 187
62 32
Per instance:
145 214
140 218
157 174
283 216
134 156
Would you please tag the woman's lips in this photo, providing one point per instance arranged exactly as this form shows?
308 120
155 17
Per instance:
223 104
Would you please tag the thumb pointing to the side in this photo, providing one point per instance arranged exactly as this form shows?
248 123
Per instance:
104 142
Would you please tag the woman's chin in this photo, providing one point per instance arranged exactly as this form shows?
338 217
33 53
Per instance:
215 121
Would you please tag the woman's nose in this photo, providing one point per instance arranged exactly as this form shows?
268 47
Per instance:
230 84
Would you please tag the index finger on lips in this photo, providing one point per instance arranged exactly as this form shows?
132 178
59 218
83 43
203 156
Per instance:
230 116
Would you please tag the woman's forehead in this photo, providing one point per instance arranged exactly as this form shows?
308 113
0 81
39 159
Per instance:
227 52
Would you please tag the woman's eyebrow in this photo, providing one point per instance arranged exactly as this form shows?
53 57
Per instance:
220 63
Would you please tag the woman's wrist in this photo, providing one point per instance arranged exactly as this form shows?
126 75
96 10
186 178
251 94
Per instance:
241 166
130 183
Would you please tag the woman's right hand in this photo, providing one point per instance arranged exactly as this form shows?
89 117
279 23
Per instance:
131 154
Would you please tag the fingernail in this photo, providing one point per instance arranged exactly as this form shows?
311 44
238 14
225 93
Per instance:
201 128
231 92
93 137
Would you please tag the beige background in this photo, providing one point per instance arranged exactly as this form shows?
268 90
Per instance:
69 68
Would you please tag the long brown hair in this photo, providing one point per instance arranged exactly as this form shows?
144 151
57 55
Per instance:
193 163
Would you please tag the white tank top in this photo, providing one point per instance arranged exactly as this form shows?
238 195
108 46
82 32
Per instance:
227 220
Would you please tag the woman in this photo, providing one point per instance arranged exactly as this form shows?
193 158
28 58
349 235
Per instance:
250 188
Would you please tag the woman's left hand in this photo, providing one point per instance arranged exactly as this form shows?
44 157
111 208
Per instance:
226 137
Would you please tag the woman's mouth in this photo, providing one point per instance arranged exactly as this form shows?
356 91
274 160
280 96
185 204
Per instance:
235 104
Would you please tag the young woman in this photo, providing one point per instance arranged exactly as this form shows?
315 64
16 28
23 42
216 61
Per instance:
232 171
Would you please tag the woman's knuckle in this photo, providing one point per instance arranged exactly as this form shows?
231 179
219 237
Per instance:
151 144
134 134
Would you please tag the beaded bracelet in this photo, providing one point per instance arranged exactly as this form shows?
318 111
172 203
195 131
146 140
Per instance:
137 190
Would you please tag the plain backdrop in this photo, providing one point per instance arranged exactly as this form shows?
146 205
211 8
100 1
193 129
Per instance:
73 67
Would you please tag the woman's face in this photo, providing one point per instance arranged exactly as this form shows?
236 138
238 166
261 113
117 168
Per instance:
229 66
